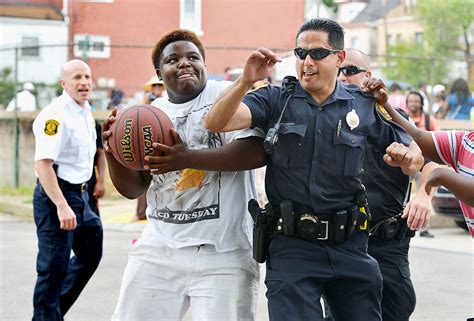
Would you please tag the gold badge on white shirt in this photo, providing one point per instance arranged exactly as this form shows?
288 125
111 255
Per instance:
352 119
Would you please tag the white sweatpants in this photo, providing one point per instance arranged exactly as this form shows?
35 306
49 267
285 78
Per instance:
161 284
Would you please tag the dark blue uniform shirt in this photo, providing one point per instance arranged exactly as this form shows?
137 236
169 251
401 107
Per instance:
386 185
315 164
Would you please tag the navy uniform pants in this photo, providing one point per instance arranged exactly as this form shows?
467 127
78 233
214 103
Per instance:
399 298
61 277
299 272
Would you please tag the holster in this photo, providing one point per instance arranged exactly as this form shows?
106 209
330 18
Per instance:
263 229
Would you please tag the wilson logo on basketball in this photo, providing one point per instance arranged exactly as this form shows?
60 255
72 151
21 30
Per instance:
148 140
134 131
126 142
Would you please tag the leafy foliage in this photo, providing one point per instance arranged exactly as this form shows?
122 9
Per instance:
413 65
7 86
448 28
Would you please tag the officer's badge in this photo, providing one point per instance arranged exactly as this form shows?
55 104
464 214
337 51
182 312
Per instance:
352 119
382 111
51 127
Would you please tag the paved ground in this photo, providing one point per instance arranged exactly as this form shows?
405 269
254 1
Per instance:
442 268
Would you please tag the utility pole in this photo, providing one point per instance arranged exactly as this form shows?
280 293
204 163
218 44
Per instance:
16 140
85 49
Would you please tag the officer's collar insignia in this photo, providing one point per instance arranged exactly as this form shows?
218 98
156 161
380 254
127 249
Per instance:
51 127
352 119
382 111
259 85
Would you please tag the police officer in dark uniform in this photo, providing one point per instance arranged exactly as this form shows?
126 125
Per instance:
318 130
388 191
65 138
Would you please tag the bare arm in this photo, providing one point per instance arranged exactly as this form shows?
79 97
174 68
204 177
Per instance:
99 188
228 112
418 210
461 186
241 154
421 137
129 183
49 182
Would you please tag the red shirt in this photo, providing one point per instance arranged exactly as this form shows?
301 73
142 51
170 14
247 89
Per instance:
456 148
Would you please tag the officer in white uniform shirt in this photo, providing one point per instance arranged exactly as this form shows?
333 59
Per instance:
64 155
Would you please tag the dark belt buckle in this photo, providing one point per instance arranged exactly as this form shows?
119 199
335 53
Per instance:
83 187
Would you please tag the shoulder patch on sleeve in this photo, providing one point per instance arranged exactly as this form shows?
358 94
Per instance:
51 127
258 85
382 111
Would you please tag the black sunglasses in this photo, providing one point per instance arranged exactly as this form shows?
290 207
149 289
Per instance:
314 53
350 70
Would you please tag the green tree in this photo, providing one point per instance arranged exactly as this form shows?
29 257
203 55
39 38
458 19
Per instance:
7 87
448 28
410 62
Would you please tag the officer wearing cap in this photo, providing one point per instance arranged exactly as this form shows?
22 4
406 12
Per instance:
65 139
313 181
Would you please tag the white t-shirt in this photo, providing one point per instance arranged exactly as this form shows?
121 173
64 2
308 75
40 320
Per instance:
65 133
193 207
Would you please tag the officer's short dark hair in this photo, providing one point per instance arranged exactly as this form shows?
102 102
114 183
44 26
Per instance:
332 28
417 94
173 36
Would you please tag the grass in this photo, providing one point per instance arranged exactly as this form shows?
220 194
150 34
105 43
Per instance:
21 191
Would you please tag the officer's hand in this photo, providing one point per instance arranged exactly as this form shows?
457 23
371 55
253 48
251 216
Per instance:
67 218
172 158
418 211
377 88
99 190
106 133
399 155
259 65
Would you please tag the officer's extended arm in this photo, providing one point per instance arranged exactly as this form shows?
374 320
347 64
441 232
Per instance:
421 137
409 159
228 112
241 154
49 182
128 182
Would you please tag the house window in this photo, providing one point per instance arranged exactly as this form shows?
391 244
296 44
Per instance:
419 38
30 51
190 15
94 46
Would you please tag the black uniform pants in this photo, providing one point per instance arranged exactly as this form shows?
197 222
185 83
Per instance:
299 272
61 277
399 300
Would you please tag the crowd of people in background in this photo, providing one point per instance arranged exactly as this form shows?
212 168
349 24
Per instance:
455 103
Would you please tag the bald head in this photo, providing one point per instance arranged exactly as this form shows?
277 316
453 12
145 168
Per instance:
76 80
358 64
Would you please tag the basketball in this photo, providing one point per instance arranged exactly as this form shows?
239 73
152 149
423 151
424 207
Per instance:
134 130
